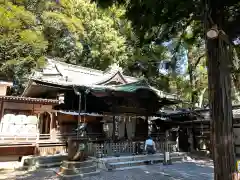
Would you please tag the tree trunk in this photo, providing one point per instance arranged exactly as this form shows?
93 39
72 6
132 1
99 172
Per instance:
220 105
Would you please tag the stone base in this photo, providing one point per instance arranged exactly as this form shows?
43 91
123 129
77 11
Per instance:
75 169
34 162
124 162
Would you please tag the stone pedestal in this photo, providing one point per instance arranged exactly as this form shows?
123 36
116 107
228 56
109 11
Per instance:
78 170
78 164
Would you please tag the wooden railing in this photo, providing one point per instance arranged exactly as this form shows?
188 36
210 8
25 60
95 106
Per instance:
17 138
4 138
107 148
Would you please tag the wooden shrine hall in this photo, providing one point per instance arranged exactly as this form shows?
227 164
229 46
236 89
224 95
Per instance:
115 107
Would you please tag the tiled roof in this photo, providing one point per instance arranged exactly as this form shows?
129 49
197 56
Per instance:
29 100
65 74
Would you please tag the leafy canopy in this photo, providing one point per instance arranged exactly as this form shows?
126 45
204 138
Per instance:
22 44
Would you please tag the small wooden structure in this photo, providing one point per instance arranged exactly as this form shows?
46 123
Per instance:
192 128
22 120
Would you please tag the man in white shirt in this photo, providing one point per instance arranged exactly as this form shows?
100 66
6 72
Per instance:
150 146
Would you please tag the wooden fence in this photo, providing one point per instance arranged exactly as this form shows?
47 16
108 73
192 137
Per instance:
110 149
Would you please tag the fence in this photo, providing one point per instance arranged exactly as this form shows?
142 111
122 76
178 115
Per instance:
110 149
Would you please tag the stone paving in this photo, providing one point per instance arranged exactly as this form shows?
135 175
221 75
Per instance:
196 170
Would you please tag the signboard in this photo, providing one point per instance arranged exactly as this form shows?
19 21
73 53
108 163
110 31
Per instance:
238 166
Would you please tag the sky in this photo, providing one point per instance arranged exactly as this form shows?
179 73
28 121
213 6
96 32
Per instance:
182 61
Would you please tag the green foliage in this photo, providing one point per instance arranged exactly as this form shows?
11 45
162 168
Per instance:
22 44
80 32
158 20
148 58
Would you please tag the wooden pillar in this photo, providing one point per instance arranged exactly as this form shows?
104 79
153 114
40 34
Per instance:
166 140
52 128
1 111
51 121
40 124
46 120
149 126
38 127
114 121
1 115
114 129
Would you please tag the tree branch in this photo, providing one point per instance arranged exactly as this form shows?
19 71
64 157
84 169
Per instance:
198 60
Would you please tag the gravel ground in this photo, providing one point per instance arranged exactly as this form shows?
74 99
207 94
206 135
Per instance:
190 170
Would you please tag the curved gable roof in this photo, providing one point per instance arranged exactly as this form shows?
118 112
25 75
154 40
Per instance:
65 74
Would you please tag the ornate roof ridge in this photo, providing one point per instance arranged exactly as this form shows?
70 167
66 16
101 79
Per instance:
112 76
90 70
79 67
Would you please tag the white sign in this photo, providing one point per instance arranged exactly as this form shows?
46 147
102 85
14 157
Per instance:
238 166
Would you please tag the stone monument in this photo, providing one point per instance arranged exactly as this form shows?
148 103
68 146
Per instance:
78 164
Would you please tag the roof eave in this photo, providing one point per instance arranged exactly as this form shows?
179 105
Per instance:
29 100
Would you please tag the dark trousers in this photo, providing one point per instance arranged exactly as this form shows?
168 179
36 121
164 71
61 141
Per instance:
150 150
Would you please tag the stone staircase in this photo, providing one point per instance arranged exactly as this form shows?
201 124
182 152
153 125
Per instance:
126 162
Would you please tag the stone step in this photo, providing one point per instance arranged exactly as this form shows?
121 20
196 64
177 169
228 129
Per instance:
76 164
130 164
129 158
75 171
112 166
48 165
136 157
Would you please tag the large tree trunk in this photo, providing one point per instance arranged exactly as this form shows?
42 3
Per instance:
219 62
